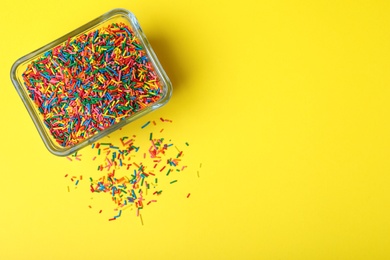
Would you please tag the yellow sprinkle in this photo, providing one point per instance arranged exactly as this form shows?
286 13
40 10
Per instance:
142 222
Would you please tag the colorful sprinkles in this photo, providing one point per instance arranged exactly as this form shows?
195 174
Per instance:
91 82
132 173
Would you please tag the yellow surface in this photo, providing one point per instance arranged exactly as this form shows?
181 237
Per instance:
285 104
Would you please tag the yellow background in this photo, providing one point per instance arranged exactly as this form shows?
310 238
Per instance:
285 104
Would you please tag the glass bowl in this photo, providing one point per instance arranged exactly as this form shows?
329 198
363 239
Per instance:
91 82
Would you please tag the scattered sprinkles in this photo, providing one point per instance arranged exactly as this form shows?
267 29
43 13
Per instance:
91 82
75 179
131 173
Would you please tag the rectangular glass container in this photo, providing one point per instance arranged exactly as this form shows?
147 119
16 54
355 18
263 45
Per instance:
91 82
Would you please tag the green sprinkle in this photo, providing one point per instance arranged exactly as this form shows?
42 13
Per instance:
145 125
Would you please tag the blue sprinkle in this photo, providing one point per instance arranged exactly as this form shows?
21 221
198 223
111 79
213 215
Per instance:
119 214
